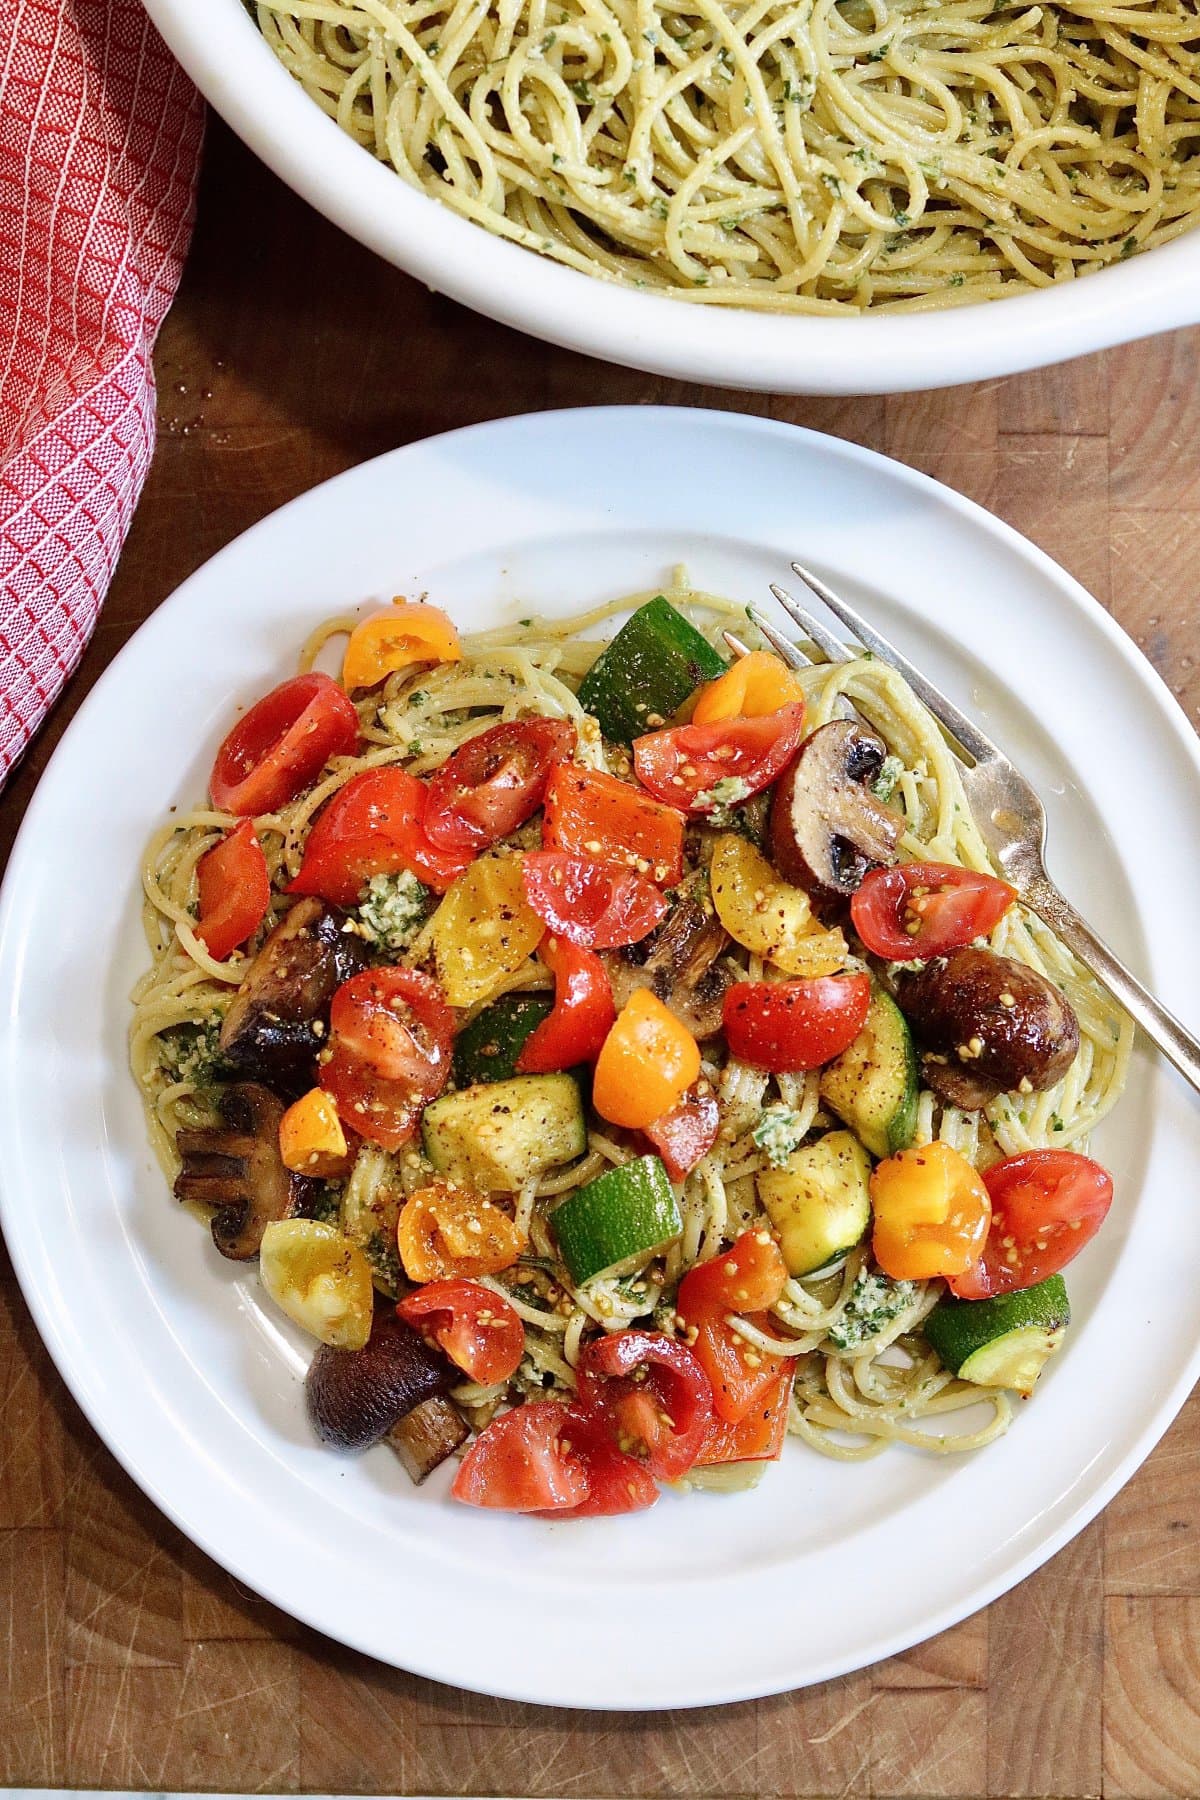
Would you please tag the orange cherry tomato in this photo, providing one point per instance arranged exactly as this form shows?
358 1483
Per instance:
755 684
235 891
758 1437
932 1213
311 1138
393 639
445 1232
648 1061
744 1280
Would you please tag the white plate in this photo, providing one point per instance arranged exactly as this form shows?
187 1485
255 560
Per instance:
195 1384
222 50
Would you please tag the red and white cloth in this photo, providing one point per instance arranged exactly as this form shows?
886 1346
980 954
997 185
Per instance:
99 145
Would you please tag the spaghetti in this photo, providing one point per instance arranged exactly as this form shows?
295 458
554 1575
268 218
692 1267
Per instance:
816 156
859 1387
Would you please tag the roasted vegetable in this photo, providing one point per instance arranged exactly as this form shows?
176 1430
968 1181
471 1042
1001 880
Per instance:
275 1023
319 1279
827 826
768 915
238 1170
394 1388
482 932
680 965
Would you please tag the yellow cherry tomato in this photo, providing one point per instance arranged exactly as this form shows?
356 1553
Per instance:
648 1062
445 1231
932 1213
392 640
311 1138
756 684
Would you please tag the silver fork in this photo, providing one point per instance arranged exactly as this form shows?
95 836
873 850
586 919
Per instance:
1010 814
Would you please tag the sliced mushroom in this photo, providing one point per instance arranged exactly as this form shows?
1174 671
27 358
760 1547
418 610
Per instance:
679 963
827 828
274 1027
239 1171
395 1388
989 1025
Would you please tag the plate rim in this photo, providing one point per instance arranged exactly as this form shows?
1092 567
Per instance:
1166 708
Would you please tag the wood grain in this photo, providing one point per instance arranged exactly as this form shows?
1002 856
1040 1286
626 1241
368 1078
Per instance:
129 1659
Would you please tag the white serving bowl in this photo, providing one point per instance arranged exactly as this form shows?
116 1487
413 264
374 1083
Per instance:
220 47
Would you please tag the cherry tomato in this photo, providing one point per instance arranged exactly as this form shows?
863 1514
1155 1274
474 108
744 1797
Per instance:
494 783
599 905
796 1024
594 814
687 1132
616 1483
759 1435
1046 1205
451 1233
480 1332
281 745
652 1393
683 766
523 1462
375 825
583 1011
395 639
648 1062
931 1213
389 1052
235 891
925 909
745 1280
753 685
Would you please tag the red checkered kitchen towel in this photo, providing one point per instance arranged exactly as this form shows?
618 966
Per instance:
99 144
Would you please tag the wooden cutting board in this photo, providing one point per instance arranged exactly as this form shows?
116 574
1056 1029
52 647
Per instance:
132 1661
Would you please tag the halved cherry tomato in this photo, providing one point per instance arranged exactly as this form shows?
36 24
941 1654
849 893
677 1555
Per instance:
235 891
311 1138
648 1062
683 766
753 685
394 639
479 1331
524 1462
599 905
797 1024
653 1395
617 1483
925 909
375 825
583 1011
687 1131
446 1232
390 1033
594 814
494 782
281 745
931 1213
745 1280
758 1437
1046 1205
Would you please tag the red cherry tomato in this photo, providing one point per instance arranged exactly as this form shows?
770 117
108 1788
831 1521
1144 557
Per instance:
594 814
583 1011
598 905
925 909
687 1132
494 783
797 1024
758 1437
616 1483
653 1395
683 766
390 1033
745 1280
281 745
235 891
479 1331
523 1462
375 825
1046 1205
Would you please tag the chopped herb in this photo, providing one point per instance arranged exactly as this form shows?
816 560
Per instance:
582 91
832 183
879 52
875 1303
902 219
658 207
778 1132
392 909
957 279
885 783
1128 247
192 1053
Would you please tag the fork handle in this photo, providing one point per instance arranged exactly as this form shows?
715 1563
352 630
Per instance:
1161 1027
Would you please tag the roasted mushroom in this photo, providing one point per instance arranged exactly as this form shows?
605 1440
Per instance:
988 1025
393 1389
273 1028
827 828
680 964
238 1170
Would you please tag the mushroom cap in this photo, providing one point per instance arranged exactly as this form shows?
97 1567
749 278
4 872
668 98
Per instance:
238 1170
1013 1024
356 1396
273 1026
827 828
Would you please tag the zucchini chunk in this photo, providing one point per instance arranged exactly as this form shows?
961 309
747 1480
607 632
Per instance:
498 1135
819 1201
1004 1342
616 1223
654 664
487 1049
872 1086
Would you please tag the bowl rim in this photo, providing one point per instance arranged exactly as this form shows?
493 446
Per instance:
225 55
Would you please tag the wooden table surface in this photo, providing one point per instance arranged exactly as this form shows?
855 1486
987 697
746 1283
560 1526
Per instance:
130 1659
